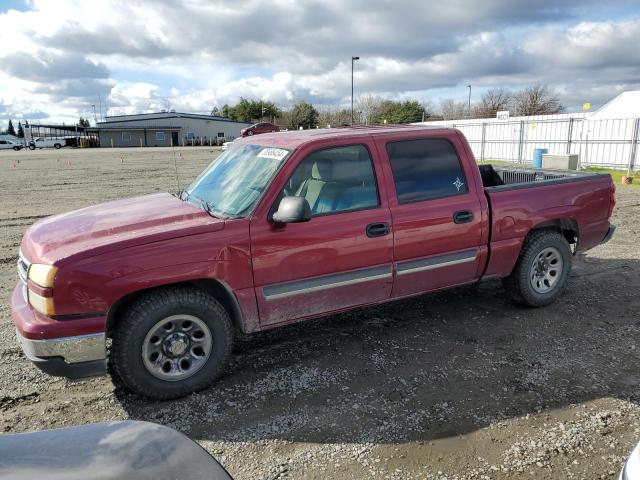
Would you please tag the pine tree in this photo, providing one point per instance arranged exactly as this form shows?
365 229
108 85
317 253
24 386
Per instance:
10 129
20 130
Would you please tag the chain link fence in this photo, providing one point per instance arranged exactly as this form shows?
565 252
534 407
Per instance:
607 143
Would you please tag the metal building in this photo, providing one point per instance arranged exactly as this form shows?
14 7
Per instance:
164 129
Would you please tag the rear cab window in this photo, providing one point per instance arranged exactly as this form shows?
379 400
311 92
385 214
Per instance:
426 169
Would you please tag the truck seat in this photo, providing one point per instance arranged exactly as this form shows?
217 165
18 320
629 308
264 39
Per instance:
321 191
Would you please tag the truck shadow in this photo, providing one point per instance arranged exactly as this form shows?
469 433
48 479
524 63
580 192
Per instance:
438 365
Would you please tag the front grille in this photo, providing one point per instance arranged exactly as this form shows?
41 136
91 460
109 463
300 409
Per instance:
23 267
23 273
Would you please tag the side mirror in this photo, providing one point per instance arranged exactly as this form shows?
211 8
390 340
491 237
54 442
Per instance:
292 210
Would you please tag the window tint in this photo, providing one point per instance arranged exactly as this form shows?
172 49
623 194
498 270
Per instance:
335 180
425 169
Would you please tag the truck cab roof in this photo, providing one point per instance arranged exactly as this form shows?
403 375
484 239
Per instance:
296 138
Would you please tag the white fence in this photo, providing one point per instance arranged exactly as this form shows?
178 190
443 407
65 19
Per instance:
611 143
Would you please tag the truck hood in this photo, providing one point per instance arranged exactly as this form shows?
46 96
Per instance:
114 225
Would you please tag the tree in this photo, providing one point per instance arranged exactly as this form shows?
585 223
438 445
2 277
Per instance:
391 111
249 110
369 106
493 101
20 130
333 116
537 100
10 129
303 115
84 122
452 110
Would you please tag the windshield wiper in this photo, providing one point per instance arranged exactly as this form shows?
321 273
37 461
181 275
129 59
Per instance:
208 207
182 194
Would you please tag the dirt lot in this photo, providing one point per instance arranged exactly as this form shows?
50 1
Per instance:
453 385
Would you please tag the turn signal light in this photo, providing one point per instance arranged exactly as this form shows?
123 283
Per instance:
43 305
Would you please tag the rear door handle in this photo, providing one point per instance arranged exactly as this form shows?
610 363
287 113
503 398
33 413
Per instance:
463 216
379 229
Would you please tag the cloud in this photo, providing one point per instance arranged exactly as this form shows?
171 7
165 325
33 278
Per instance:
194 54
49 67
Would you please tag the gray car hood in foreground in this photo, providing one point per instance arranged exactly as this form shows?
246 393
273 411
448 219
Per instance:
106 451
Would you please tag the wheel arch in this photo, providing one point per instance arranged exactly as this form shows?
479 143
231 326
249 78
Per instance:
568 227
220 290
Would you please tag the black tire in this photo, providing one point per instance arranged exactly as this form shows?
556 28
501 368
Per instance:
519 286
32 147
143 315
16 148
57 146
250 132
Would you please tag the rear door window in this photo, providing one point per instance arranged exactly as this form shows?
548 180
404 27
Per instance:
426 169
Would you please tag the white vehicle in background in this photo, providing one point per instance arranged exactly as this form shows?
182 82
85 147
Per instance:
226 145
8 144
631 469
46 142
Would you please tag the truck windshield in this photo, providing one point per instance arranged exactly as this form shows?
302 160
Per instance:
234 182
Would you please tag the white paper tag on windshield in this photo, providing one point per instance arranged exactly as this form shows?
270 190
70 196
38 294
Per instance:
274 153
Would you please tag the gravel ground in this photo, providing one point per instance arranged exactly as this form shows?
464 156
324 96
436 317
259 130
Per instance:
453 385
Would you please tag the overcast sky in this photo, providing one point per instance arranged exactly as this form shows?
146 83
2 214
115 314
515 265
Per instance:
60 57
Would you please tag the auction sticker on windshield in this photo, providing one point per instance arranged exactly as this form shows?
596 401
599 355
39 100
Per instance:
273 153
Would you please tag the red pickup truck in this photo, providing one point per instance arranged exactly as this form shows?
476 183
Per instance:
287 227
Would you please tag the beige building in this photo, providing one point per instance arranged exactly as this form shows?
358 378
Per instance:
165 129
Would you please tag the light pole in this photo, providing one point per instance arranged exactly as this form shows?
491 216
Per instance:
353 59
469 107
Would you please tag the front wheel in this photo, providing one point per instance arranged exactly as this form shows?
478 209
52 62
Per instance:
57 146
16 148
32 147
249 133
542 270
171 343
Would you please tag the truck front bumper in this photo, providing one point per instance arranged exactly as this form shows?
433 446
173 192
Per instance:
51 345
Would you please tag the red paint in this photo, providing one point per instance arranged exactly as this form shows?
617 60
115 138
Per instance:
35 326
108 251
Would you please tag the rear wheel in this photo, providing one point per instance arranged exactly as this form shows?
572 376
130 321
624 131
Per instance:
171 343
542 270
57 145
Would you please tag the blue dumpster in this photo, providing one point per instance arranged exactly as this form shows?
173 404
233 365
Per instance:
537 157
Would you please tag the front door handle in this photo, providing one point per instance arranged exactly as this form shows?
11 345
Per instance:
463 216
379 229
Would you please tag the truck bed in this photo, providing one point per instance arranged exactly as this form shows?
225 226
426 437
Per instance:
511 178
520 198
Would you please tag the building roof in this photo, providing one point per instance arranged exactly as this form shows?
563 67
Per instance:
164 115
295 138
625 105
118 128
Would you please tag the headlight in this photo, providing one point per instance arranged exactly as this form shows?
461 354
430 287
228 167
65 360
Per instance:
42 275
42 304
